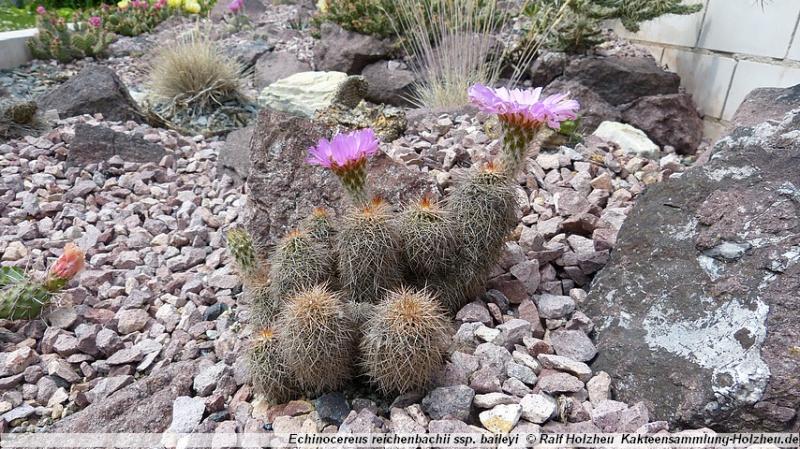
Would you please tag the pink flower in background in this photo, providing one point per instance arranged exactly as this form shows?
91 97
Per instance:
95 21
235 6
524 107
40 10
344 149
346 155
159 4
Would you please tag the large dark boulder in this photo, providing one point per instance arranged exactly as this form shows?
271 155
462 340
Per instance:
620 80
93 144
144 406
234 157
275 65
346 51
668 120
389 82
768 103
283 188
697 309
95 89
594 109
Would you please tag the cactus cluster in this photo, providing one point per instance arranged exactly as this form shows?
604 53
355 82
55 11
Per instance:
369 292
24 296
372 286
64 41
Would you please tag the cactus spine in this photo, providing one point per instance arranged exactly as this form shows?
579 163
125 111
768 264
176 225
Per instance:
318 339
268 370
299 263
405 341
369 252
23 297
428 240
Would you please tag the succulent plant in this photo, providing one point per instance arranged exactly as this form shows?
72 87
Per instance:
243 251
299 262
405 341
318 336
22 296
320 226
56 40
268 370
428 239
369 252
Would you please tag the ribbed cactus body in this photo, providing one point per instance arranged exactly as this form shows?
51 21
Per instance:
299 262
428 239
268 370
517 140
318 336
243 251
484 210
21 297
320 226
369 253
405 341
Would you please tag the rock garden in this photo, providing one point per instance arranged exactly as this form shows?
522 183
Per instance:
369 216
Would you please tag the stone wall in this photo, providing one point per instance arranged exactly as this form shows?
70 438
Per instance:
726 50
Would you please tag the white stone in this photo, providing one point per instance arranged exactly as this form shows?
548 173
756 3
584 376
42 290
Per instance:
489 335
501 419
302 93
490 400
631 140
538 408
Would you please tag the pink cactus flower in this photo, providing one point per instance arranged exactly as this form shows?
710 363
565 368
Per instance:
235 6
524 107
69 263
95 22
346 155
344 149
41 10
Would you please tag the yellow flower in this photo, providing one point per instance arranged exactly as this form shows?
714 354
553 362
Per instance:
192 7
174 3
322 6
123 4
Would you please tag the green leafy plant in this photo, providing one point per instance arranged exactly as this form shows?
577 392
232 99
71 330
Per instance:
362 16
63 41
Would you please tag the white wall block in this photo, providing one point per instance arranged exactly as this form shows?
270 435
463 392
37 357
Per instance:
706 77
670 29
743 26
794 52
751 75
13 49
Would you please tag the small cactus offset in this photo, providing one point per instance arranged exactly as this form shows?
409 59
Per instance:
319 225
22 296
369 251
241 248
317 335
405 341
268 370
429 244
299 262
